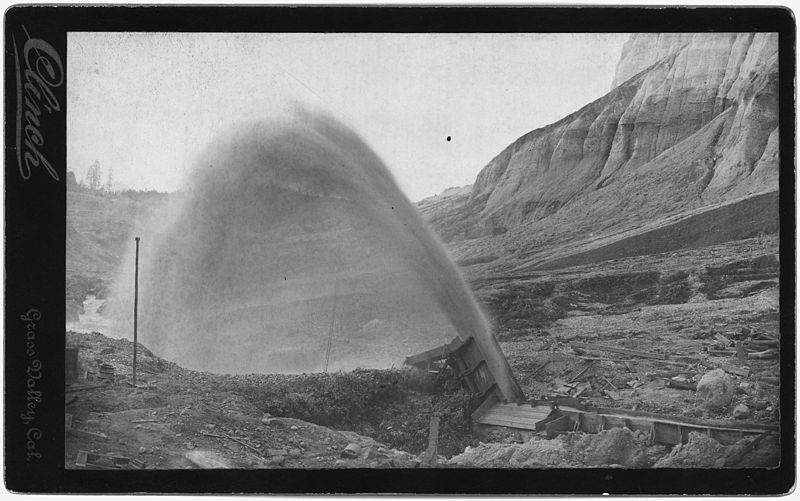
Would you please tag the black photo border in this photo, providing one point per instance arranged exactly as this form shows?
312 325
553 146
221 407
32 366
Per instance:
35 205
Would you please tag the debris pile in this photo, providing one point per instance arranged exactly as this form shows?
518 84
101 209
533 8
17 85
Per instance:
620 447
177 418
687 378
615 447
702 451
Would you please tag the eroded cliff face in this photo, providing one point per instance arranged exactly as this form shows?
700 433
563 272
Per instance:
692 120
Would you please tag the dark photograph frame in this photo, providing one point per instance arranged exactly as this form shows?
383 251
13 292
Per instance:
35 235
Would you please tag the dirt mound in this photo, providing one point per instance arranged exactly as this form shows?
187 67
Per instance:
618 446
702 451
393 407
533 454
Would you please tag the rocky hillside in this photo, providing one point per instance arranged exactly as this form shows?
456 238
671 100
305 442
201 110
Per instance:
691 122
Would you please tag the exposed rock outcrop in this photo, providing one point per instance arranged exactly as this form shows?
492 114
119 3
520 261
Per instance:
691 121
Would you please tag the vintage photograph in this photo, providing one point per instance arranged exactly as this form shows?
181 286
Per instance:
422 250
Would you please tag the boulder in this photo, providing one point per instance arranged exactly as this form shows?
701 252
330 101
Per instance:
351 451
715 390
741 411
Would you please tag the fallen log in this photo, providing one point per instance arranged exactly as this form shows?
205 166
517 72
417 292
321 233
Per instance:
737 371
771 353
768 337
730 353
256 451
581 373
82 388
675 362
722 339
88 434
430 455
108 461
537 371
682 385
601 359
667 374
624 351
762 342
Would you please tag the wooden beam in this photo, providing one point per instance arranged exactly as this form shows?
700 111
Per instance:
434 354
624 351
429 457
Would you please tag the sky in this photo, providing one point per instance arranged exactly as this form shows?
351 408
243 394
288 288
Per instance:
146 104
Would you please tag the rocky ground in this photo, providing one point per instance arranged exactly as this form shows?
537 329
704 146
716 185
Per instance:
694 307
177 418
679 314
702 338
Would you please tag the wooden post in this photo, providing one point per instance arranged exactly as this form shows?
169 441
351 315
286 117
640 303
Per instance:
430 454
135 309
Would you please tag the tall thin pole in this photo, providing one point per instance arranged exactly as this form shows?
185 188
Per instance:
330 332
135 309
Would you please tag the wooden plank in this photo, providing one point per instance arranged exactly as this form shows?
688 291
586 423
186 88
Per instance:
525 407
682 420
487 404
429 457
722 339
73 389
665 434
743 371
668 428
674 433
507 424
504 412
88 434
682 385
527 414
624 351
515 419
434 354
556 426
771 353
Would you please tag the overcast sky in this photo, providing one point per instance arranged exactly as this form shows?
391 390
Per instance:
147 104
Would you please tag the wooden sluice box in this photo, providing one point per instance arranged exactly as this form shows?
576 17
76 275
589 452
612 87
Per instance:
567 414
468 362
553 418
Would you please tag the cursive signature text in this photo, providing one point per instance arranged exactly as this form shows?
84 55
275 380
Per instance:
39 71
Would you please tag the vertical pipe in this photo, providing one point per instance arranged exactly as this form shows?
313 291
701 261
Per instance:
135 309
